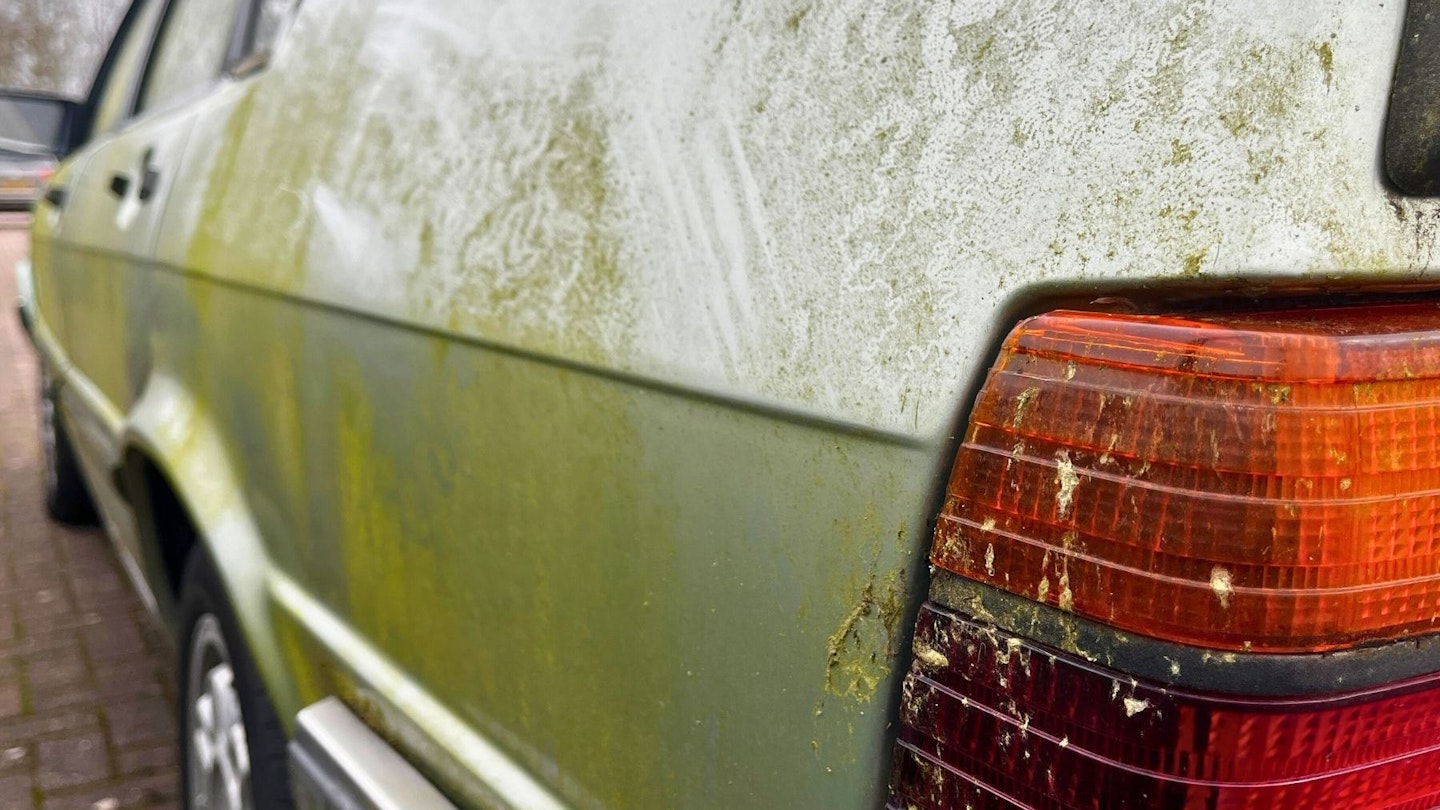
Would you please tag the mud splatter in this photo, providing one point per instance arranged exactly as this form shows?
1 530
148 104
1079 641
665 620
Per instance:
931 658
860 649
1068 480
1022 403
1221 585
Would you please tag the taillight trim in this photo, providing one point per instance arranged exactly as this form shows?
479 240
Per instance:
1186 666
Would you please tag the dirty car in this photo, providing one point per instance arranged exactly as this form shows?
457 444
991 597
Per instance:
608 403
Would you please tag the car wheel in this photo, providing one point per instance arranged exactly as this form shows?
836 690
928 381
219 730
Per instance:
231 741
66 498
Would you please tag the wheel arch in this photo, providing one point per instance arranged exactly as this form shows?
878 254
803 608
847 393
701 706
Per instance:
186 495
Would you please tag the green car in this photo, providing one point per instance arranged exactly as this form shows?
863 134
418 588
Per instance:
696 404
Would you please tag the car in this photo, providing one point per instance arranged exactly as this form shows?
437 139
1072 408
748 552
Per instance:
29 123
716 405
22 176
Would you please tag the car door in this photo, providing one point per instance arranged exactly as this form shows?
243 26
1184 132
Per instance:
115 207
76 273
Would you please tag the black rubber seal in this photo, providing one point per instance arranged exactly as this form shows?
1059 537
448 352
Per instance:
1235 673
1412 129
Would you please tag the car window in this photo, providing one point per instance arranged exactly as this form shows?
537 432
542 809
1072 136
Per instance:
190 54
117 98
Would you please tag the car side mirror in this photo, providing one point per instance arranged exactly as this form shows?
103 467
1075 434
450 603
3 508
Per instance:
36 123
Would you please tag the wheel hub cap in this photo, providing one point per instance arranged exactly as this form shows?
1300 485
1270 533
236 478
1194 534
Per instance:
219 759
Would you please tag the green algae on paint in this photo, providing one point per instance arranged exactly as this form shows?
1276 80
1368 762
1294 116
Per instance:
1326 54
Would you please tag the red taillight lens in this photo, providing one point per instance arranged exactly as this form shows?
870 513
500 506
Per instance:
1266 482
992 721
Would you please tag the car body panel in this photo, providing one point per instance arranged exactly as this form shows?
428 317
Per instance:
613 606
590 369
112 239
558 189
47 227
322 466
98 270
172 429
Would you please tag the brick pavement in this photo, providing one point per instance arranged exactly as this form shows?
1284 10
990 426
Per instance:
86 693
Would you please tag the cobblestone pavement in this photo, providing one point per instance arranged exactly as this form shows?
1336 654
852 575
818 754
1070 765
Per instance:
86 694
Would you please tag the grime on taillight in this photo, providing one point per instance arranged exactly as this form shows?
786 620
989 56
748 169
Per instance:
1264 482
989 720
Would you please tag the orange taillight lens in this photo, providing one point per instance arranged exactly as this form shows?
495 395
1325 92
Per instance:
1263 481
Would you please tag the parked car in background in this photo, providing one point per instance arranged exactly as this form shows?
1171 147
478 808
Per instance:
29 124
713 405
22 175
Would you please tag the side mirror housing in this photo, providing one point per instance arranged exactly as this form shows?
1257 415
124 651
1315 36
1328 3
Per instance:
36 123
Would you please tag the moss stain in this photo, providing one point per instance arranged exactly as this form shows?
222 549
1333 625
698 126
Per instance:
1326 54
792 23
1193 263
1180 152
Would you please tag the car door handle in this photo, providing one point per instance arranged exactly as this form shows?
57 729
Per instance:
149 181
56 196
120 184
149 176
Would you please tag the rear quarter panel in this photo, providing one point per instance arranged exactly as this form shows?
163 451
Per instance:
596 362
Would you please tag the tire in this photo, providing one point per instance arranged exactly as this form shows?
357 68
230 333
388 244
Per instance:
216 670
66 497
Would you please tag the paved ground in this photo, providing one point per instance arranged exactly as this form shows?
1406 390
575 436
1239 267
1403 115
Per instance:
86 695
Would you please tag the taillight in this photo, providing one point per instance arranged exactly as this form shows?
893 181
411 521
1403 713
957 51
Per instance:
997 722
1253 484
1263 482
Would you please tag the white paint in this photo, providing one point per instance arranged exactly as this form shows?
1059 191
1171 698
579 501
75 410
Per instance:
829 215
376 253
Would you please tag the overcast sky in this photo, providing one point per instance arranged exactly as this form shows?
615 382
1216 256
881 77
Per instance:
55 45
